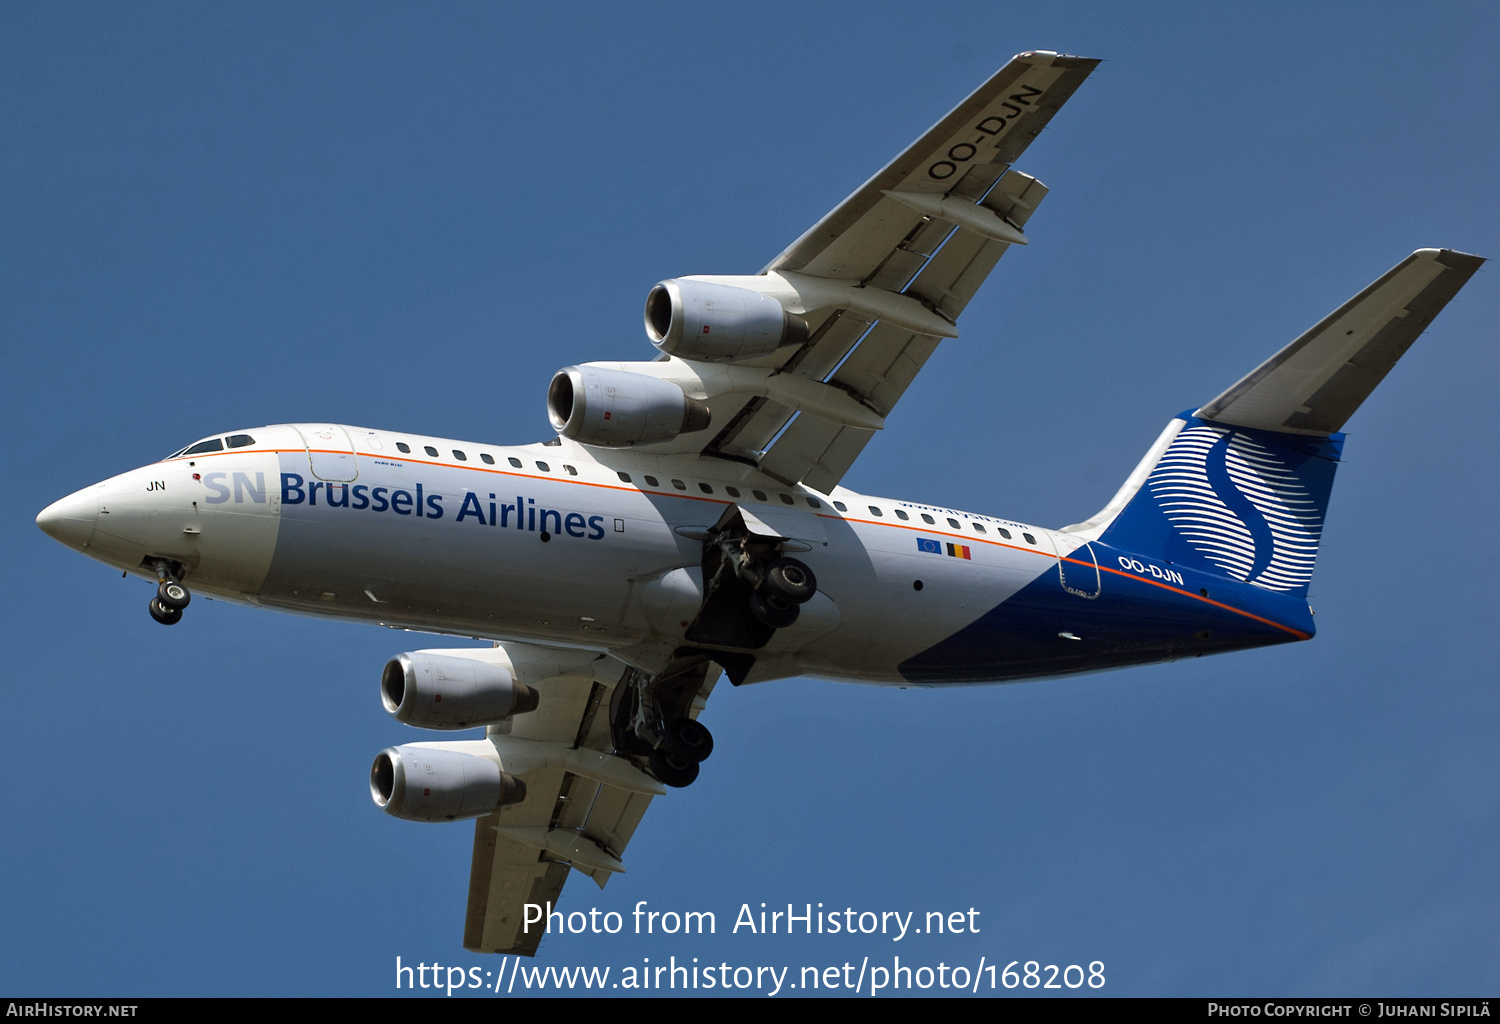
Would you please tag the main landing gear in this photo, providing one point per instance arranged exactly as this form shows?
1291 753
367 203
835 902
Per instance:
673 771
649 719
171 598
753 590
685 744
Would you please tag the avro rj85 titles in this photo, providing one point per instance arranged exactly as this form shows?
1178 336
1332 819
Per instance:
688 520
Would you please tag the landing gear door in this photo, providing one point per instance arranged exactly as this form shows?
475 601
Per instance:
802 531
330 453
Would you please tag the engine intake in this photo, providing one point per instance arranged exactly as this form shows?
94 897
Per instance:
718 322
611 408
431 690
434 782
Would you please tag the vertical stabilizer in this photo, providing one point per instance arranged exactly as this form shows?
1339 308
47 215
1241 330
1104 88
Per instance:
1240 487
1248 504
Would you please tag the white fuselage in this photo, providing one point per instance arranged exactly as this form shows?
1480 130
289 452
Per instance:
339 521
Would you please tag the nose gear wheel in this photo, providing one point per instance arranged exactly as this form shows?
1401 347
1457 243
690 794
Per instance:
161 613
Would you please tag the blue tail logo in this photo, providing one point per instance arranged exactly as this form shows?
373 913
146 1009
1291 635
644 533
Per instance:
1245 503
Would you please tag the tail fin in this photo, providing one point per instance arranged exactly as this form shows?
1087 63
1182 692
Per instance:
1240 487
1248 504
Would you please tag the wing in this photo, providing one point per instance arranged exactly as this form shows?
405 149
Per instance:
581 809
899 260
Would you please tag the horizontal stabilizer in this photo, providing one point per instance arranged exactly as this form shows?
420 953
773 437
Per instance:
1314 384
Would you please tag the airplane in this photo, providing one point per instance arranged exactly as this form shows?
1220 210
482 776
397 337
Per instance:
688 520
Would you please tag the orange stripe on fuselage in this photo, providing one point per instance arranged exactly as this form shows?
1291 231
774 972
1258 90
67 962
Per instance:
719 501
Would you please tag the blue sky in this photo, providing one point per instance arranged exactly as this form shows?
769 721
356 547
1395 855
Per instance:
220 216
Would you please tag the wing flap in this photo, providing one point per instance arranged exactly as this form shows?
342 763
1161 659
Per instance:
614 818
883 364
913 243
507 871
504 876
835 460
987 130
523 852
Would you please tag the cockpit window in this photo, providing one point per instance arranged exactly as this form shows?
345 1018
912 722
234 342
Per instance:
239 441
213 444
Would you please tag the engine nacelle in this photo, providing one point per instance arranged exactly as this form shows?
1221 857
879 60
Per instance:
440 782
445 690
612 408
718 322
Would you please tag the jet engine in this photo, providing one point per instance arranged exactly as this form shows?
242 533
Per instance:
440 782
611 408
446 690
718 322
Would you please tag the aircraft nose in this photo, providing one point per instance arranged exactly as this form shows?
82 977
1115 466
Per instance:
71 520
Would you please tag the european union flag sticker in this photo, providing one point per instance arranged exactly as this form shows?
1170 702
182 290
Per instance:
932 547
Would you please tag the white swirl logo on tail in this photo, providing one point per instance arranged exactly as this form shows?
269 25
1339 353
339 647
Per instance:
1240 505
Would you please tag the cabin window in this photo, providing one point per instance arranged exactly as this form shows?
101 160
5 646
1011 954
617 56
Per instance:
651 481
624 477
953 524
544 467
1003 532
705 488
487 458
239 441
786 499
1029 538
733 492
460 456
902 515
759 495
841 506
571 470
876 512
515 462
679 485
402 446
927 519
978 527
430 450
813 503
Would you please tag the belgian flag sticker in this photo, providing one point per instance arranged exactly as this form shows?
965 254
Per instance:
932 547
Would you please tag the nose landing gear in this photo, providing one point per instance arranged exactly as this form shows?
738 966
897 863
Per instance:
161 613
171 598
173 594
